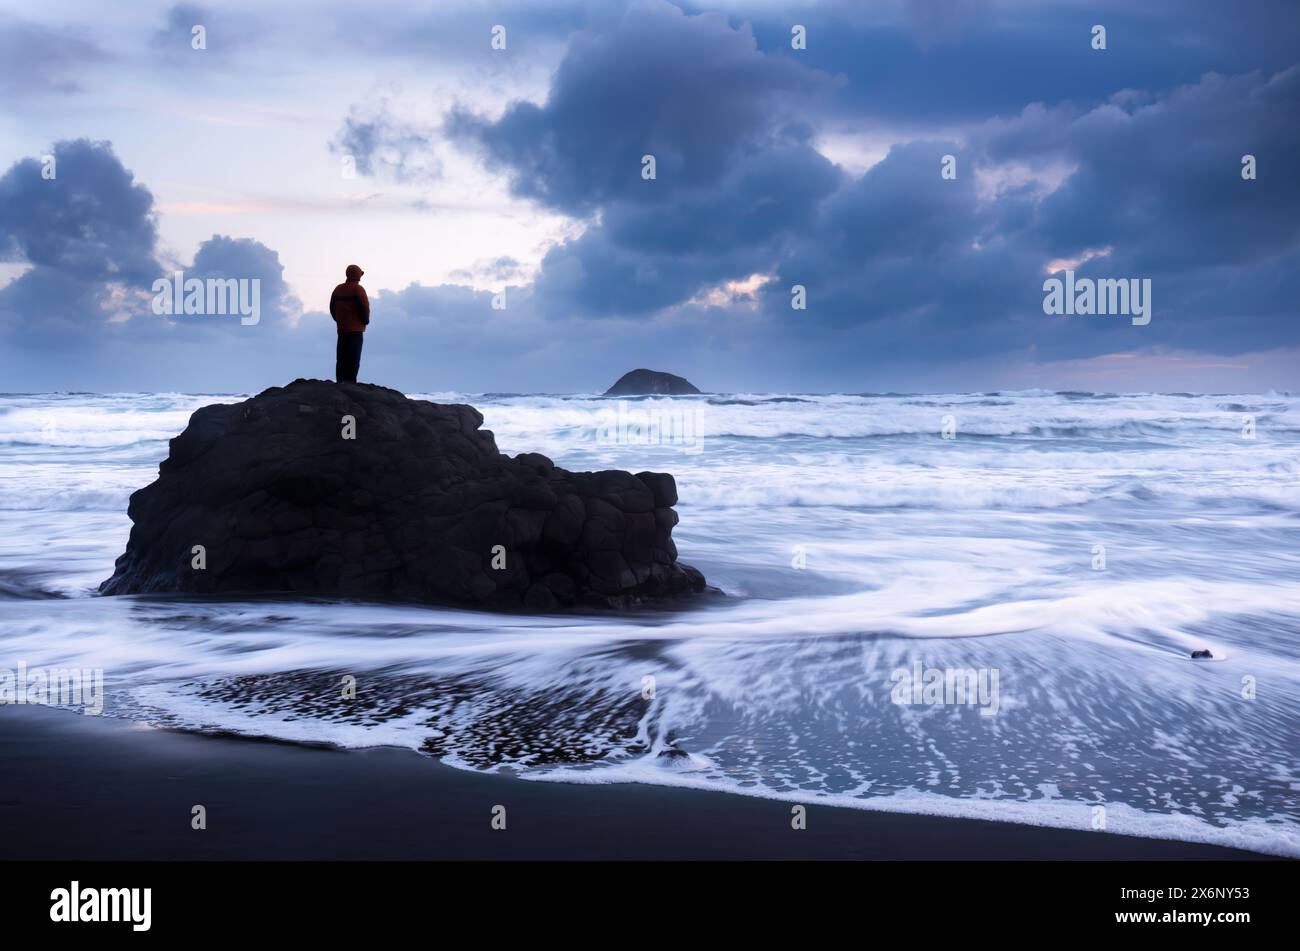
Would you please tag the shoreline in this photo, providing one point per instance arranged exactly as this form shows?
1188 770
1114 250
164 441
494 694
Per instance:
105 789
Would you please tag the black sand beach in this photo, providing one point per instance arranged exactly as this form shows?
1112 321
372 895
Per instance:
94 788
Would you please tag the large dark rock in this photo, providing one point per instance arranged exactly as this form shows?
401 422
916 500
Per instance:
413 507
650 383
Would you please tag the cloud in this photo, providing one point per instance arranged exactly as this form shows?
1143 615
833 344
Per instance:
89 235
38 60
497 271
692 91
903 261
459 32
735 173
1134 188
1158 182
222 35
909 263
641 257
938 270
222 257
383 146
90 219
933 65
1125 161
89 240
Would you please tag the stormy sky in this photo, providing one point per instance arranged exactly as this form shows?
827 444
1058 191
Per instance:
305 137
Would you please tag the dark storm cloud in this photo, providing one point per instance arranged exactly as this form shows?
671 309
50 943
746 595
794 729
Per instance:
938 269
223 257
88 234
932 268
1154 169
915 64
90 219
736 171
690 90
1158 181
644 256
90 242
48 308
1132 155
36 59
919 259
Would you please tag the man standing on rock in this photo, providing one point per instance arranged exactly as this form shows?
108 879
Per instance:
350 309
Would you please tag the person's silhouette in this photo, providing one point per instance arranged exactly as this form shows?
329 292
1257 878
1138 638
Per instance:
350 309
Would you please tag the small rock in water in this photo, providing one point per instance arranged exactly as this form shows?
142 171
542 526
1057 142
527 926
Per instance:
673 756
645 382
1200 655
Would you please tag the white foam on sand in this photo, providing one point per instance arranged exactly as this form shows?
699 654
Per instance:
1255 835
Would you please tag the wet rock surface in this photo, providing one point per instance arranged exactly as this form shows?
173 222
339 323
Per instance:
356 490
651 383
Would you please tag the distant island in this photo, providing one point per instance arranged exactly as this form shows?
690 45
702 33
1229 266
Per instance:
651 383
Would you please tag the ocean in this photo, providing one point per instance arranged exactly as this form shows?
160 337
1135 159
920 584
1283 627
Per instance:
1066 552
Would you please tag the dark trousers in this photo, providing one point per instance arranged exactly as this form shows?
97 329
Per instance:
347 357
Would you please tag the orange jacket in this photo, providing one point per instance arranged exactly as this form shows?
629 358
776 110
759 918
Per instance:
350 307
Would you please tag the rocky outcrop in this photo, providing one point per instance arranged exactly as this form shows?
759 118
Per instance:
651 383
355 490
